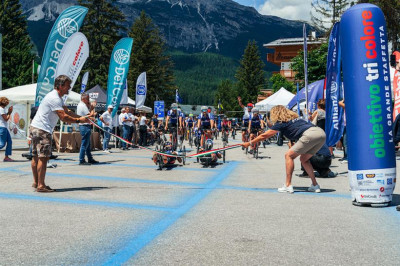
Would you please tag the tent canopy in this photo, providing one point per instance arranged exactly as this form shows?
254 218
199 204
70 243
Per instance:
27 94
281 97
98 94
315 93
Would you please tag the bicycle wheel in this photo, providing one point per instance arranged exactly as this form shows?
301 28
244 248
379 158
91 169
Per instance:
198 150
223 155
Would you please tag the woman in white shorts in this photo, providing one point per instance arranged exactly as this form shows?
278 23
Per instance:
309 139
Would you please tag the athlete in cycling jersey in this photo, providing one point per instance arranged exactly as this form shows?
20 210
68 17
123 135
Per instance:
174 119
255 123
226 127
190 121
205 121
245 121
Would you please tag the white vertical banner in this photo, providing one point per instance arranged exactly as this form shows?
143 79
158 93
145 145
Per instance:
141 90
72 57
84 82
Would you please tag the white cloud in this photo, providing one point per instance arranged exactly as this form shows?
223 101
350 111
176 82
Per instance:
288 9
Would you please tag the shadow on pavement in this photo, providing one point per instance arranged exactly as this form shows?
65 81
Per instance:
80 189
305 189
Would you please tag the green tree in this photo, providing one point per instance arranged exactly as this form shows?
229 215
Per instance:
391 10
250 74
102 26
226 95
325 13
149 55
316 64
17 46
278 81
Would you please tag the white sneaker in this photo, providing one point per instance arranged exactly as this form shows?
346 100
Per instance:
286 189
315 189
106 151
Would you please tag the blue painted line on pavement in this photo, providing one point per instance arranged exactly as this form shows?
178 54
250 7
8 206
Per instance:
179 168
85 202
142 240
109 178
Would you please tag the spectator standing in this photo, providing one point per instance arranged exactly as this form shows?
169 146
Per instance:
5 137
50 110
107 121
132 129
142 130
124 122
84 108
318 117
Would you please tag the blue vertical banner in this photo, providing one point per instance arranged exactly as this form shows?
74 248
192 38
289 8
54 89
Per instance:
368 99
334 124
69 22
159 109
118 72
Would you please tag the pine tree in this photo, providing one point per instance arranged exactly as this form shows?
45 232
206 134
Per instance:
149 55
226 95
102 26
327 13
250 74
17 47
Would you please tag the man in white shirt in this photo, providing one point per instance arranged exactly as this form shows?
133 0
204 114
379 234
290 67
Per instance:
124 121
50 110
107 120
84 108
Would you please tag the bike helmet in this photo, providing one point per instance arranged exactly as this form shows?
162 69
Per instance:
204 108
174 106
209 144
190 115
255 110
250 105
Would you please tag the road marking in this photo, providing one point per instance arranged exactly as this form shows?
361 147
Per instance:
142 240
115 179
84 202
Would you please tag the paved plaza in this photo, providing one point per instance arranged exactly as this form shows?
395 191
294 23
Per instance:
125 211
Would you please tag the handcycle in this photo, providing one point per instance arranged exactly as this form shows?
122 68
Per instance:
167 158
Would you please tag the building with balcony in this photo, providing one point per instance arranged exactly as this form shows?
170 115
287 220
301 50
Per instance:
286 49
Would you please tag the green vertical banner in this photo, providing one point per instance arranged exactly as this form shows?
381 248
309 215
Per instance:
118 72
69 22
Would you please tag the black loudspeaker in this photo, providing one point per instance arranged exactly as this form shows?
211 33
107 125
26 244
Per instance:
393 61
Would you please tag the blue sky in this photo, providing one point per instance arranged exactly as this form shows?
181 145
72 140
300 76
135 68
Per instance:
289 9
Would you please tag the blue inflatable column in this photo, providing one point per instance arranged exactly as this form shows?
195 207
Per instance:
368 101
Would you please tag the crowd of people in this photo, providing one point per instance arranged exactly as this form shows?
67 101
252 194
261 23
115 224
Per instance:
306 137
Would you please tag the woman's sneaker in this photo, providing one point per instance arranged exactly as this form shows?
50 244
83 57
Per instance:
286 189
315 189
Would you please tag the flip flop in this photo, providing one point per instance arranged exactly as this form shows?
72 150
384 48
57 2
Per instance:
8 160
45 189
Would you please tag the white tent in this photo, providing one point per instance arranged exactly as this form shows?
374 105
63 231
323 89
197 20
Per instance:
281 97
22 98
27 93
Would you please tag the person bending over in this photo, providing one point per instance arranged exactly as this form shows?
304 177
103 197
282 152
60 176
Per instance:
309 140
